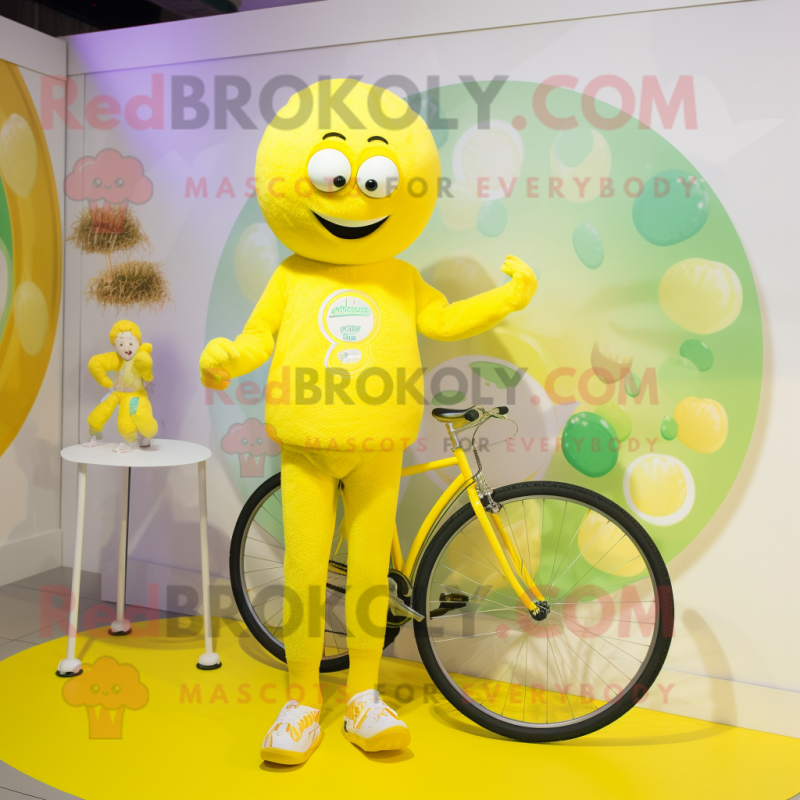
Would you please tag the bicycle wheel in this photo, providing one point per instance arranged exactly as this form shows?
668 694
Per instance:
257 578
592 657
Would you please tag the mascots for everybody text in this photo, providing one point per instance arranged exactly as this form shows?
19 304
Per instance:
346 194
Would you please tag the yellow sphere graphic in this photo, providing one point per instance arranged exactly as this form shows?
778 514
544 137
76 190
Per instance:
701 296
702 424
659 488
604 546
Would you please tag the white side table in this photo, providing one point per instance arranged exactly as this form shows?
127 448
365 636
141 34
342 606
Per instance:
161 453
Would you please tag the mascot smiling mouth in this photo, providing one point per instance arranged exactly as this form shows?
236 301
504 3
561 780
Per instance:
349 229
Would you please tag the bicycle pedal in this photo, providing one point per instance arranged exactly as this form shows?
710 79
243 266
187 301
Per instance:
450 602
453 600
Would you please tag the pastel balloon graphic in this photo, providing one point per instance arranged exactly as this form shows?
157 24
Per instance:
617 417
429 111
255 259
448 398
678 377
590 444
580 157
632 384
672 207
19 160
588 246
701 296
604 546
699 353
659 488
492 218
489 159
30 312
669 428
702 424
609 365
460 205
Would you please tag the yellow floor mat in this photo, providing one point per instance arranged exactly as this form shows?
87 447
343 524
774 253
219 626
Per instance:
144 722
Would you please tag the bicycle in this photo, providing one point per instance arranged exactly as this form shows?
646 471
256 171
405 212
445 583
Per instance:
529 630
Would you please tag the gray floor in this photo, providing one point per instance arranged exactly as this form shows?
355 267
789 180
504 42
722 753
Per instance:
20 628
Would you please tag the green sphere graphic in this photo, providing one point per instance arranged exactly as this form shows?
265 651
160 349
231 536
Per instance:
590 444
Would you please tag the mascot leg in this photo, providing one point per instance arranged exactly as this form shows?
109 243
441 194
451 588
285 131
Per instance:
128 404
143 416
309 516
370 499
102 413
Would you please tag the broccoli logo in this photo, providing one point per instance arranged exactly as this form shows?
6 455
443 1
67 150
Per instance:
106 688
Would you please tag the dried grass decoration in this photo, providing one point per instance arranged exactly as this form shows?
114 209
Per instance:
111 229
130 283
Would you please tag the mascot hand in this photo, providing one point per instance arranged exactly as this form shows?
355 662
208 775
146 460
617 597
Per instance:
522 286
144 364
107 383
214 362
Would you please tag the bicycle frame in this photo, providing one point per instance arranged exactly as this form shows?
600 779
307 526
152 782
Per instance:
516 575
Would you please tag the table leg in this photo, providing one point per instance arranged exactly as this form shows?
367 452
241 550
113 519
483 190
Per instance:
209 659
121 626
71 666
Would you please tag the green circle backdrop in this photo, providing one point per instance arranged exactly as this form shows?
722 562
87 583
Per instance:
598 282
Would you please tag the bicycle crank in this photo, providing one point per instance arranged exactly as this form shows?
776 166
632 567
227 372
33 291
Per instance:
398 606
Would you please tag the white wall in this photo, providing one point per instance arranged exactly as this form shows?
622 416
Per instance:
30 469
735 658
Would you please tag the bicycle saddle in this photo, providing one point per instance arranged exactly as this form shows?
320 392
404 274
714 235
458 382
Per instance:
451 414
466 414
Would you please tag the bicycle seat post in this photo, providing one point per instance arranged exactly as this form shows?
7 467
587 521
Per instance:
454 441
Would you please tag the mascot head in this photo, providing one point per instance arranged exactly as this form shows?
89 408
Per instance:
347 173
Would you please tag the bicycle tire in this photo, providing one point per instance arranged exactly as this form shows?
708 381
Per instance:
663 624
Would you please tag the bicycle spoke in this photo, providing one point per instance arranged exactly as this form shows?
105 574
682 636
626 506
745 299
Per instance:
637 556
586 548
575 651
508 691
475 644
574 536
563 682
572 669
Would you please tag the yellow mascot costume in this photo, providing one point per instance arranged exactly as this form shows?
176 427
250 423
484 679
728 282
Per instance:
132 362
346 190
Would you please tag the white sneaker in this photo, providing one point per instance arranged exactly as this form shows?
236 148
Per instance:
372 725
294 735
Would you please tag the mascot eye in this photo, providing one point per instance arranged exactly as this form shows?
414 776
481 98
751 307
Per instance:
329 170
116 688
97 183
378 176
244 441
95 688
119 183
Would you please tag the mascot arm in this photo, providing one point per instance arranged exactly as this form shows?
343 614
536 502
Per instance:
100 365
143 362
223 359
438 319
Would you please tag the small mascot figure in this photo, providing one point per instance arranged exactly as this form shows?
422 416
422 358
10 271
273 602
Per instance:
133 364
347 190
